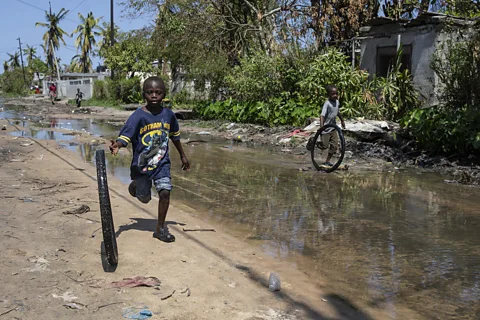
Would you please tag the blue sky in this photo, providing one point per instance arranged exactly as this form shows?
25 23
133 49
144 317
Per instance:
18 19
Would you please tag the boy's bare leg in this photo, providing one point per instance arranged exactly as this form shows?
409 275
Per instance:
163 205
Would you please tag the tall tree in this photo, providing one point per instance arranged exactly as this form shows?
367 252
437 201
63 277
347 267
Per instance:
6 67
31 54
87 30
14 60
54 34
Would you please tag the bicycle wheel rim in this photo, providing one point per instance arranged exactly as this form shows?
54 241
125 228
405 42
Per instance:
325 137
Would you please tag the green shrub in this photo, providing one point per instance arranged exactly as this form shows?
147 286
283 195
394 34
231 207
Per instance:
100 90
454 126
14 83
442 131
287 91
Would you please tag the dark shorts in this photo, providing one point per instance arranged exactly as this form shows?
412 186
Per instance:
144 187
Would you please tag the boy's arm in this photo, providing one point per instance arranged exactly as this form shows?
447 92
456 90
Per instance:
340 116
323 114
341 121
183 157
175 137
124 138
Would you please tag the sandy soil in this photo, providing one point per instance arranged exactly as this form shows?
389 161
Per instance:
52 266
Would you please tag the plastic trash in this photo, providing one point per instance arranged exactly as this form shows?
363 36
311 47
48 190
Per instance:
274 282
137 313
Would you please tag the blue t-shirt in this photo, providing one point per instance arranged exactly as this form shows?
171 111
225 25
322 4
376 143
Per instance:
149 134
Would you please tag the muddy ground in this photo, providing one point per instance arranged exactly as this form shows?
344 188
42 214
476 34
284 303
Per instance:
53 266
377 154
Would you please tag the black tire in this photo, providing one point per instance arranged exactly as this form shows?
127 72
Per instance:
108 229
315 150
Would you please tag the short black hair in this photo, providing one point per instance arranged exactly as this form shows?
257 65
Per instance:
330 88
150 80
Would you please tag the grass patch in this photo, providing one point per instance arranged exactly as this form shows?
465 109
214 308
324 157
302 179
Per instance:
10 95
98 103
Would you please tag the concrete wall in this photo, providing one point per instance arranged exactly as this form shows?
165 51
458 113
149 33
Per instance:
67 89
423 40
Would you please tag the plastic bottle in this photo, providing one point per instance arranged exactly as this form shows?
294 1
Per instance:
274 282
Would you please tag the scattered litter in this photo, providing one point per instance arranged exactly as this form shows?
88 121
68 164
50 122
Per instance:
168 295
231 125
73 306
26 144
204 133
297 132
238 139
187 291
82 209
324 300
4 127
312 127
67 296
40 157
199 229
139 281
232 285
137 313
16 160
41 264
286 150
15 273
26 199
274 283
93 233
285 140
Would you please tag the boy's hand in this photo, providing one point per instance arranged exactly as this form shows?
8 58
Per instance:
113 147
185 163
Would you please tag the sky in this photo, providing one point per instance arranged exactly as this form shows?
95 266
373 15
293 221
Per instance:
18 18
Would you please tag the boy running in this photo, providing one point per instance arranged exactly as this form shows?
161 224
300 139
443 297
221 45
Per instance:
149 129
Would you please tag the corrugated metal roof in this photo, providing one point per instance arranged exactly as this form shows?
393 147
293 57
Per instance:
80 75
423 18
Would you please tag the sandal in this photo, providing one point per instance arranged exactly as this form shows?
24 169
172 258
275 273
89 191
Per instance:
164 235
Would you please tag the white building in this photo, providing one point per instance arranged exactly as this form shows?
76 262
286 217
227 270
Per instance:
67 87
420 38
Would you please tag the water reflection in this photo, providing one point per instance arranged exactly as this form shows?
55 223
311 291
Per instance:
395 238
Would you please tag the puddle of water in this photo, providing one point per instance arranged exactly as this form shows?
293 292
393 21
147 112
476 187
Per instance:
391 239
43 135
394 240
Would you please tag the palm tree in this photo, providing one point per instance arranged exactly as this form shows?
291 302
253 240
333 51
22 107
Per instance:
14 60
54 34
106 38
6 67
87 30
31 54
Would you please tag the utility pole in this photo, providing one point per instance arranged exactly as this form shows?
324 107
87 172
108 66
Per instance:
21 59
55 58
112 32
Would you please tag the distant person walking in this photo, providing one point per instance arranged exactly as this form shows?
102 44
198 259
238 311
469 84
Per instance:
52 92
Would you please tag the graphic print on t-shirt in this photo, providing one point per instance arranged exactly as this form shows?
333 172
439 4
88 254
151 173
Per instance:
154 137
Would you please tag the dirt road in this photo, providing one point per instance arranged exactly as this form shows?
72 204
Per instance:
52 263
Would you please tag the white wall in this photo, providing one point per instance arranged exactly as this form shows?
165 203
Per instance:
423 41
67 89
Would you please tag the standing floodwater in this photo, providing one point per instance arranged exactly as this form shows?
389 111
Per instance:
393 240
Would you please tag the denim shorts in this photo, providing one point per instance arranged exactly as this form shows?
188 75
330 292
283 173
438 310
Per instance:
144 187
